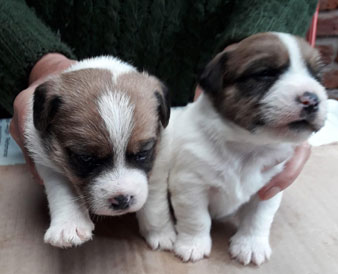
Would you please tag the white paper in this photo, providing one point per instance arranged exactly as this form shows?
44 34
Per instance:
10 153
329 133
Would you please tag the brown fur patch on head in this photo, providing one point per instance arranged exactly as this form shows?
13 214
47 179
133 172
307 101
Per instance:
81 89
260 49
77 126
141 89
312 58
237 78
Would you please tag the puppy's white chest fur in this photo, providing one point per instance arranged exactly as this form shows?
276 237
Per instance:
240 175
229 169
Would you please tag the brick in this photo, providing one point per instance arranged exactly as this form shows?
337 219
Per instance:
330 79
327 53
328 4
332 93
328 24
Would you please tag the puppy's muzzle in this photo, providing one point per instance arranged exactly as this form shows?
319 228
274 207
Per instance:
310 102
121 202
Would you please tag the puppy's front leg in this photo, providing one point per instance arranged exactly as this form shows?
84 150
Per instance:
251 242
70 222
193 223
154 218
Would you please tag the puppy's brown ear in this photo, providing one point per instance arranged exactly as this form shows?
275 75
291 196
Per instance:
45 106
163 98
212 77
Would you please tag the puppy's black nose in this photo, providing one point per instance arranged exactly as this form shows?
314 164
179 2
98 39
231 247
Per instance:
310 102
121 202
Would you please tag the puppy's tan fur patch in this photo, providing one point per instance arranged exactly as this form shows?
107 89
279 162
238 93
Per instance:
141 89
77 123
262 48
311 56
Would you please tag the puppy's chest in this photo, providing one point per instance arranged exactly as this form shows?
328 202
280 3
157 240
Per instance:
241 174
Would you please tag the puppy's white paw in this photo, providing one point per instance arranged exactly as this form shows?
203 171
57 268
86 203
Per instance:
192 248
162 240
246 249
69 233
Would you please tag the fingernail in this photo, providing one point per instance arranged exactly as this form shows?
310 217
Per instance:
271 192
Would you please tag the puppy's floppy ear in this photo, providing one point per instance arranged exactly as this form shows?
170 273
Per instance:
212 76
45 106
163 98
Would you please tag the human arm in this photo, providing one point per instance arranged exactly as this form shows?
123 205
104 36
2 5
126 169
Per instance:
49 64
24 39
290 173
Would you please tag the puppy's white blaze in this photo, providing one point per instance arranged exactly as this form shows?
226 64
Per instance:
121 181
295 56
117 113
115 65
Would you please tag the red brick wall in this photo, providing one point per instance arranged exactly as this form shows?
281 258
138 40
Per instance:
327 43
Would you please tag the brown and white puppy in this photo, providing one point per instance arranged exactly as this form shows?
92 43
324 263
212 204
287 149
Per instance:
261 98
92 132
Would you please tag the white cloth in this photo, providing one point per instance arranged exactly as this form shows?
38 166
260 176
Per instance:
329 133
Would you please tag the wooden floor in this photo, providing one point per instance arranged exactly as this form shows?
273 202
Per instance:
304 236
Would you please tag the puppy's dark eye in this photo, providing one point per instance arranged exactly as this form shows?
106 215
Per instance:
141 156
81 158
315 72
266 74
85 158
85 164
143 159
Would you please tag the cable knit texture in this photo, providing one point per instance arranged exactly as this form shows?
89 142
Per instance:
172 39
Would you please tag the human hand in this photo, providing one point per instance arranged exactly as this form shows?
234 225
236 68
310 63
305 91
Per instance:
289 174
52 63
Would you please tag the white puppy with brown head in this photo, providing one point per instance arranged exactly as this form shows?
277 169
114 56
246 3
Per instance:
92 132
261 98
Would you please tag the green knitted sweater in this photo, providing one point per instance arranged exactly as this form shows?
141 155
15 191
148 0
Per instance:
172 39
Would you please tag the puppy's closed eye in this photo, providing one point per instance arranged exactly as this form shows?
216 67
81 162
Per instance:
144 157
316 72
262 73
266 74
85 164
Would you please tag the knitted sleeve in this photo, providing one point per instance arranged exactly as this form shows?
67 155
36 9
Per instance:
24 39
252 16
208 27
